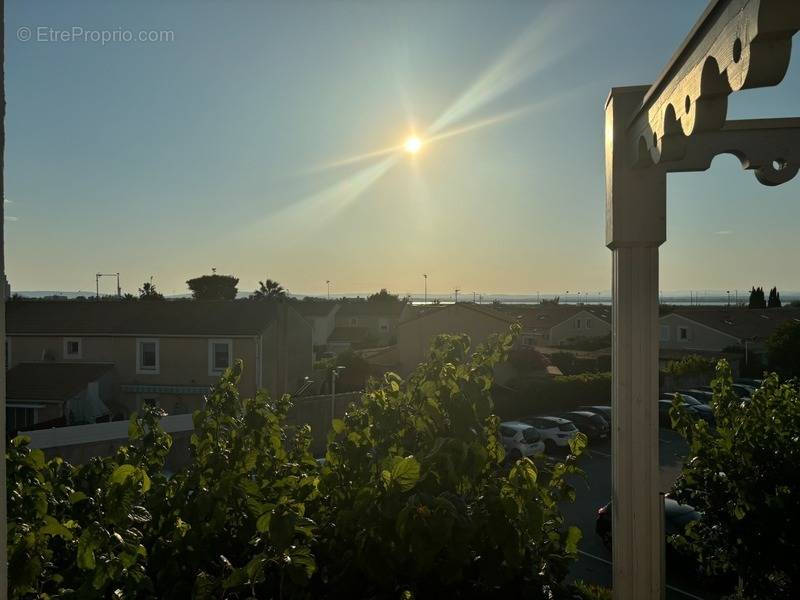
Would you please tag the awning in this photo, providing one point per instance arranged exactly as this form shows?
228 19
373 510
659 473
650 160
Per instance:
189 390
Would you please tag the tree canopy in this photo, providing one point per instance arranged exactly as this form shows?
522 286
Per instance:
269 290
742 477
148 291
757 299
774 300
783 349
213 287
414 500
383 296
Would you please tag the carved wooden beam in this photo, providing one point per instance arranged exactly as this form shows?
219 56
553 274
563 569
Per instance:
736 44
770 147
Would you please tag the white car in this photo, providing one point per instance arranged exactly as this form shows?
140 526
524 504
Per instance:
520 439
555 431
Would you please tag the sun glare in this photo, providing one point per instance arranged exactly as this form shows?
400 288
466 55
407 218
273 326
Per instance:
412 144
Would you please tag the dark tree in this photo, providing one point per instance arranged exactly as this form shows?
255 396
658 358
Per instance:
383 296
269 290
757 299
148 292
774 298
783 349
213 287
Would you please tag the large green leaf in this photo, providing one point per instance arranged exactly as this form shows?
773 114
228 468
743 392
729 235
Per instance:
405 473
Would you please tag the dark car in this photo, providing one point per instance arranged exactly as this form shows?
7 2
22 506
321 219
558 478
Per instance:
703 396
743 392
599 409
593 425
676 517
694 406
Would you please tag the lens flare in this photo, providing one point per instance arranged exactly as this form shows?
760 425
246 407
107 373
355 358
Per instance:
412 145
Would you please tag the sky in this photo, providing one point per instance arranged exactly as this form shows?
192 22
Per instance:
237 142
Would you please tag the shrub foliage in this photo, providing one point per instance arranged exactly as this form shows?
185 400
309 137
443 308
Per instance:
743 478
414 499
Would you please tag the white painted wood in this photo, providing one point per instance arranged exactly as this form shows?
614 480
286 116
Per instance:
635 227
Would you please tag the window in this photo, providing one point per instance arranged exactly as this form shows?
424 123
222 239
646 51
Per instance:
73 348
19 417
578 323
147 356
588 323
353 322
665 333
683 333
219 356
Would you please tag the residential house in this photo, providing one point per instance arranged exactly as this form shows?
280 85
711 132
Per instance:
165 352
716 329
321 315
416 333
374 321
57 393
558 324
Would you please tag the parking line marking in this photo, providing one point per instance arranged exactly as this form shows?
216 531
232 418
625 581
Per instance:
669 587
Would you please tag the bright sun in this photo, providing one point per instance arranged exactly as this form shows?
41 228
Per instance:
412 144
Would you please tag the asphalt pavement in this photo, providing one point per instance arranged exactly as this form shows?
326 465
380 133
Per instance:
594 563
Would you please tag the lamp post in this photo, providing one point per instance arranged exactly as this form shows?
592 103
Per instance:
335 372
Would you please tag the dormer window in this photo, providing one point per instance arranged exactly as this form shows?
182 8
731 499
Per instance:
73 348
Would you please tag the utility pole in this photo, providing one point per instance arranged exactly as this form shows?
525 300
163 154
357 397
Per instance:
474 296
328 283
457 290
97 277
425 275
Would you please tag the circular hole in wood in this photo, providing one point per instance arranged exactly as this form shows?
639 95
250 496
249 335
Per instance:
779 164
737 50
687 104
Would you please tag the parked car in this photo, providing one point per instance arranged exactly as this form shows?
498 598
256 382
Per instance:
593 425
676 517
696 409
703 396
600 409
520 439
752 383
742 391
556 432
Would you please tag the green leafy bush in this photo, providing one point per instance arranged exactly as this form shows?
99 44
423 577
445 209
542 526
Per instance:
743 478
414 500
692 364
556 394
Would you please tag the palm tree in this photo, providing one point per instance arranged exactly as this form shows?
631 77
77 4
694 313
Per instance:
269 290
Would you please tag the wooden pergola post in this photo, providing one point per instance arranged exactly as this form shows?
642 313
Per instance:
679 123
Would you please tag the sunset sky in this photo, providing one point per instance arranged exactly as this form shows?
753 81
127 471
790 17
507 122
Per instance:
267 140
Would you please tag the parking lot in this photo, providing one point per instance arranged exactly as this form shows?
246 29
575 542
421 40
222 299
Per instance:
594 564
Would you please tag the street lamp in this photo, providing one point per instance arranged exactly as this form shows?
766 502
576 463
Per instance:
335 372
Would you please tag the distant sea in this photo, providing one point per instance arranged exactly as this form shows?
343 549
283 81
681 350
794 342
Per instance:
681 298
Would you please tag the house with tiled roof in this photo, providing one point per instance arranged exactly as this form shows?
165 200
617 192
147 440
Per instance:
321 315
557 324
379 319
416 333
715 329
166 352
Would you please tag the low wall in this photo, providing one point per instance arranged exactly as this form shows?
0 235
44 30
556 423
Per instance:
78 443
